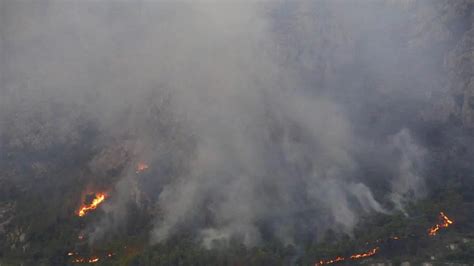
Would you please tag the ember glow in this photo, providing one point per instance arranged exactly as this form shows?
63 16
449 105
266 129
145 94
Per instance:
141 166
369 253
90 259
86 260
331 261
445 222
99 198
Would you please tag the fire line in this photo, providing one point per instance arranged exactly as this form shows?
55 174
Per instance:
369 253
445 223
99 198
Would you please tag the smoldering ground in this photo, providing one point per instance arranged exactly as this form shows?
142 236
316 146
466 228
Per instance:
254 116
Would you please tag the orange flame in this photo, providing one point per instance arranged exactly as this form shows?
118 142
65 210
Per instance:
99 198
369 253
141 166
337 259
445 223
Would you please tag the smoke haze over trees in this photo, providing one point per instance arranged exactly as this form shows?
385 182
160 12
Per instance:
288 121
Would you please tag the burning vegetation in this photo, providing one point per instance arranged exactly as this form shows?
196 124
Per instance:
445 222
89 259
358 256
95 201
86 260
141 167
98 199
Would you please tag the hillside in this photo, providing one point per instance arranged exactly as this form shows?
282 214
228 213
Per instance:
237 133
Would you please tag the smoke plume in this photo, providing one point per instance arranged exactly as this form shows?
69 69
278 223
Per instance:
288 117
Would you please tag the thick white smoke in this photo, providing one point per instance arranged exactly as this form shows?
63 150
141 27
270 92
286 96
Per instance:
252 113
